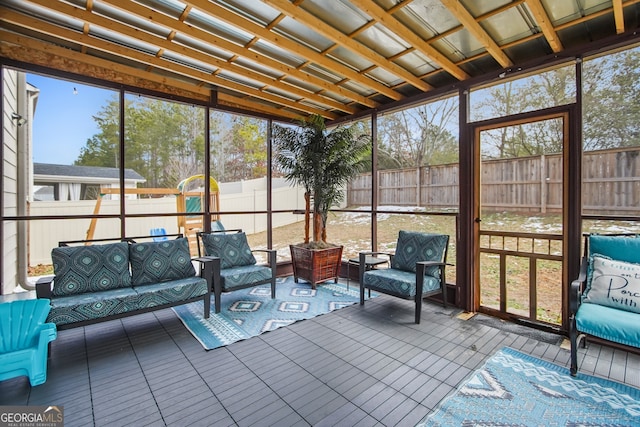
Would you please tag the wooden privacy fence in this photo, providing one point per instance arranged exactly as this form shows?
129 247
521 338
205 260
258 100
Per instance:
610 184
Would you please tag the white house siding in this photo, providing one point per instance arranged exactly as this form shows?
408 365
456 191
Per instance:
9 184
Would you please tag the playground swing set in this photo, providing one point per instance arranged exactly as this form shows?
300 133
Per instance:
190 199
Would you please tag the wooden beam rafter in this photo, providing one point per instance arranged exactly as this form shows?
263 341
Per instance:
618 15
476 30
23 49
166 44
68 60
295 48
543 20
245 103
37 25
386 19
346 42
240 51
268 69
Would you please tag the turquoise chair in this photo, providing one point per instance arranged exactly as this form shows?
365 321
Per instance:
235 266
417 269
24 339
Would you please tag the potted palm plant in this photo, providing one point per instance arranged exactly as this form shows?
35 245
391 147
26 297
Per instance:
322 162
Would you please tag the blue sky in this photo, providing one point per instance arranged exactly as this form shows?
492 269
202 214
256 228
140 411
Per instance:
63 120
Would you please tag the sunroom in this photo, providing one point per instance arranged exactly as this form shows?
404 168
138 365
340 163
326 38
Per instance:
510 126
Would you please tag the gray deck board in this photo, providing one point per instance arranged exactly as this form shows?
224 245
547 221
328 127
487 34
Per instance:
359 366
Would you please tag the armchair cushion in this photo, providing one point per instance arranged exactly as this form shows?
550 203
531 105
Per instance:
415 246
398 282
613 284
623 330
238 277
625 249
80 269
232 249
153 262
620 248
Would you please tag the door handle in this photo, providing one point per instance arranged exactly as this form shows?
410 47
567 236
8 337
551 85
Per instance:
478 220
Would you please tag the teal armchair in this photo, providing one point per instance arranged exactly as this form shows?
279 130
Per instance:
24 339
234 264
604 300
417 269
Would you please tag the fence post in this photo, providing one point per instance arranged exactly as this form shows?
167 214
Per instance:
419 186
379 190
543 184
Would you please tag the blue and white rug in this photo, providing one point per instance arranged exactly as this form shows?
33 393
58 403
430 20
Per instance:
250 312
515 389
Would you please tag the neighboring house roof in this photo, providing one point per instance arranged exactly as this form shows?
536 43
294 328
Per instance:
96 172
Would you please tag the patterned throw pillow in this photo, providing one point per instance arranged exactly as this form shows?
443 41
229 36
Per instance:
624 248
232 249
80 269
614 284
154 262
414 246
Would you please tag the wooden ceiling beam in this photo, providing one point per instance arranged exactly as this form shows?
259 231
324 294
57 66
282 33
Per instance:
21 48
47 55
543 20
416 42
244 103
346 42
166 44
618 15
476 30
37 25
482 17
396 7
240 51
297 49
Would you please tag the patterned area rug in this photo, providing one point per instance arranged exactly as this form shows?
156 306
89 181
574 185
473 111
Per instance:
514 389
250 312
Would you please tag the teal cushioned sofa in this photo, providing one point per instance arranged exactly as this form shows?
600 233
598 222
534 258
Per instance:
104 281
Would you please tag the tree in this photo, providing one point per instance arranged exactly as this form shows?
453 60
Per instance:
164 140
249 141
419 136
102 149
238 147
610 111
322 162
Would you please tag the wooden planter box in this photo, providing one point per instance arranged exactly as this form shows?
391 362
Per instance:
316 265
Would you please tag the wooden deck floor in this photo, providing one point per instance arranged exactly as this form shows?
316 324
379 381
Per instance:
359 366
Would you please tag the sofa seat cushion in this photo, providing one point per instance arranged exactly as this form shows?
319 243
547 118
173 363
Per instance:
239 277
398 282
80 269
92 305
162 293
609 323
154 262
